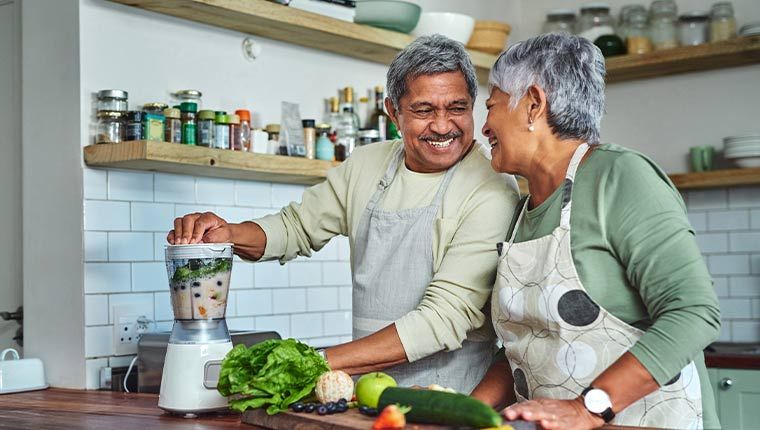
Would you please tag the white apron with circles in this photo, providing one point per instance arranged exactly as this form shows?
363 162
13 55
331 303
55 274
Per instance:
558 340
392 267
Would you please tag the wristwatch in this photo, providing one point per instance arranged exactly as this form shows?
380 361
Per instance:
598 403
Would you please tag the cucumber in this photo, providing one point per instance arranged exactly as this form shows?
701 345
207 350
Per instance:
437 407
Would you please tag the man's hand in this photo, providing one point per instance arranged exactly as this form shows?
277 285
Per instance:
200 227
555 414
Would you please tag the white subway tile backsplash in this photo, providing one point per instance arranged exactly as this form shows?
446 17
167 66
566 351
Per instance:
345 297
149 277
214 191
721 286
234 214
322 299
95 183
306 325
130 246
141 304
735 308
707 199
174 188
729 264
95 309
744 197
337 323
92 372
110 216
278 323
745 286
257 194
106 278
288 301
131 186
254 302
737 219
270 274
698 220
745 241
745 331
152 217
305 274
712 242
163 307
336 273
98 341
284 194
246 323
95 246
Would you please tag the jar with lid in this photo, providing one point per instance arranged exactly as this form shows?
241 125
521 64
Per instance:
188 96
595 21
309 138
172 126
638 41
722 22
153 127
221 131
188 112
236 144
112 101
624 21
693 28
325 148
245 129
155 107
558 20
273 133
662 24
205 128
110 127
134 126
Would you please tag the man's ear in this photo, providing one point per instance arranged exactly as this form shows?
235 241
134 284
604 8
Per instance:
392 113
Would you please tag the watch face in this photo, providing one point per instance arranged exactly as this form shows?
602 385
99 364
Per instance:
597 401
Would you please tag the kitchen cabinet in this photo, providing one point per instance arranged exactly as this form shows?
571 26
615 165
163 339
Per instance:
737 397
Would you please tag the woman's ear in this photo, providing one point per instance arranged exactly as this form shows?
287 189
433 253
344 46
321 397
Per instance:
536 102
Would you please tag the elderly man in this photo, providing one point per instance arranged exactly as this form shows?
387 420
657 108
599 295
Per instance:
423 255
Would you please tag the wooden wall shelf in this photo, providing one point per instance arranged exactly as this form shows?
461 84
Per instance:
201 161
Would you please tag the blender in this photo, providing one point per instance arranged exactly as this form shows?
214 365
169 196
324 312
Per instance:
199 280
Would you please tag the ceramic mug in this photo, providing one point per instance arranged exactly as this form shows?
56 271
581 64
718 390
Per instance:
702 158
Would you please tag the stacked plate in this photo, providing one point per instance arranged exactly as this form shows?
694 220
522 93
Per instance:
743 150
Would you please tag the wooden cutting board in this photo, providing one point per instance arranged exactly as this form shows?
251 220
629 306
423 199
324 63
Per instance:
350 420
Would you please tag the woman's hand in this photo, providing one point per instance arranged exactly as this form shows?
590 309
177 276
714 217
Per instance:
200 227
555 414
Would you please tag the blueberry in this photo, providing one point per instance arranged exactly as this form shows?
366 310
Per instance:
309 408
322 410
342 407
297 407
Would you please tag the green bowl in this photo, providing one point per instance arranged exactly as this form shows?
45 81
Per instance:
393 15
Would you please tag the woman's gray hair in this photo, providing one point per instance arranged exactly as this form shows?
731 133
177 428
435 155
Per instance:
570 70
429 55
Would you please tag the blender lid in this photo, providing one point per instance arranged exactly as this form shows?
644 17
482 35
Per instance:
199 250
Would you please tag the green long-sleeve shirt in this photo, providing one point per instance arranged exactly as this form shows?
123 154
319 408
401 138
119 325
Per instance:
637 257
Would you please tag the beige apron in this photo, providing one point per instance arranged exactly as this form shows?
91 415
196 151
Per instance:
392 268
558 340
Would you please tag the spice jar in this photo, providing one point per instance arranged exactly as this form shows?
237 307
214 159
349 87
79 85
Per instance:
236 144
134 125
325 148
559 20
153 127
205 128
693 28
245 129
155 108
221 131
722 22
112 101
172 126
273 133
188 96
188 112
110 127
638 41
309 138
595 21
662 24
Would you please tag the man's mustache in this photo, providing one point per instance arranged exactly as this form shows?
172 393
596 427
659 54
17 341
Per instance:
441 137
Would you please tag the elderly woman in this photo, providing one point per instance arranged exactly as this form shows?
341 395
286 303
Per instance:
602 299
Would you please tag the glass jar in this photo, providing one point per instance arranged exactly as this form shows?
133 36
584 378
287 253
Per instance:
559 20
153 127
595 21
221 131
693 28
155 108
112 101
172 126
624 21
236 143
205 128
309 138
638 41
110 127
188 112
273 134
662 24
722 22
188 96
245 129
325 148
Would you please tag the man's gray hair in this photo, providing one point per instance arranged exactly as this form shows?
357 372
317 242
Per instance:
570 70
429 55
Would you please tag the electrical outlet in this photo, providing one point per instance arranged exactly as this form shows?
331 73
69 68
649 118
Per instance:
126 330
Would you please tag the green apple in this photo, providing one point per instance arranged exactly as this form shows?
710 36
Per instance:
370 386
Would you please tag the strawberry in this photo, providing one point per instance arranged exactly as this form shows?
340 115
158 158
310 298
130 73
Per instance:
392 417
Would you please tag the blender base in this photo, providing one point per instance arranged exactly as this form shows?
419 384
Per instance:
187 387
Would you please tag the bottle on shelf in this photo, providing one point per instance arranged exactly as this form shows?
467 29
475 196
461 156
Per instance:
379 119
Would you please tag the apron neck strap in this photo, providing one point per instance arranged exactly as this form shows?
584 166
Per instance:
567 185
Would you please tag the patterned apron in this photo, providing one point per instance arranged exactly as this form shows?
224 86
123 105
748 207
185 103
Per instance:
558 340
392 266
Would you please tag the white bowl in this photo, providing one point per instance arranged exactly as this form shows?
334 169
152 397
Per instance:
455 26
